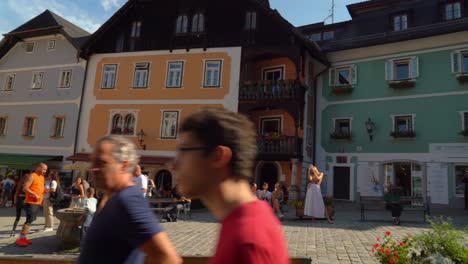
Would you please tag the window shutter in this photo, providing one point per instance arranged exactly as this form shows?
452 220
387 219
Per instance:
389 70
455 62
331 77
414 67
354 76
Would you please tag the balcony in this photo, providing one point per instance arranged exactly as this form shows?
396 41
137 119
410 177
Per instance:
282 147
283 90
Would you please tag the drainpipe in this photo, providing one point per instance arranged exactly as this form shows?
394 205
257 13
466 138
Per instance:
80 107
314 142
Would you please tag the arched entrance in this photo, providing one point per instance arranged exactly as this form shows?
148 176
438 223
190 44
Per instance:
268 173
163 180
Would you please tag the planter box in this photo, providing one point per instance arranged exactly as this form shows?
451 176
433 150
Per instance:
462 78
340 136
403 135
342 89
403 84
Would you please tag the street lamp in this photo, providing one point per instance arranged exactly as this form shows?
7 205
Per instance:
141 138
370 126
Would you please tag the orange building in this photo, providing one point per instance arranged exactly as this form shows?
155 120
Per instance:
155 62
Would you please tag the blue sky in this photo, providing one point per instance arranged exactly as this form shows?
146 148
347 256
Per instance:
90 14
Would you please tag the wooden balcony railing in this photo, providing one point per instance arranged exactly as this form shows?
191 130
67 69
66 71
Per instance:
285 145
272 90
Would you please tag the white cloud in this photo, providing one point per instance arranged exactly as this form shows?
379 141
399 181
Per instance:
109 4
71 12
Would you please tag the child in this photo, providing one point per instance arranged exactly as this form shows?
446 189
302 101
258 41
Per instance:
90 209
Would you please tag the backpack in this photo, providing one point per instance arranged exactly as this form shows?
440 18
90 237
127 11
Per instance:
57 196
7 187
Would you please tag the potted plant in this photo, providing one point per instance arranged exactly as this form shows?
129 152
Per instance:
299 205
330 205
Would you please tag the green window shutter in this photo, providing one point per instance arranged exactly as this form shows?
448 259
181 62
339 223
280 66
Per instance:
354 76
331 77
455 62
389 70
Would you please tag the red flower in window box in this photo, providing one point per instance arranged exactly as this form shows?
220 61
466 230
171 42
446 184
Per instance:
128 131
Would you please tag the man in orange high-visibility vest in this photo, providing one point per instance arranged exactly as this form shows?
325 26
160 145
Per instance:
34 189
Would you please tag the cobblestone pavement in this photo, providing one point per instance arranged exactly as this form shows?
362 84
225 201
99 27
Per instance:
348 240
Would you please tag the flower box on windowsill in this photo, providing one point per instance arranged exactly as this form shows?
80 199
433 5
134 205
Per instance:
402 84
116 131
464 133
128 132
462 78
342 89
340 136
410 134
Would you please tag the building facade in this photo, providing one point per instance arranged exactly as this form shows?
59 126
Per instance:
394 104
41 80
153 63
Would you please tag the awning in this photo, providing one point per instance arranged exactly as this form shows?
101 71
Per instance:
144 160
77 166
24 162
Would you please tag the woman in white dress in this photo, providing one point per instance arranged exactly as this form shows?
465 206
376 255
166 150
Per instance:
314 205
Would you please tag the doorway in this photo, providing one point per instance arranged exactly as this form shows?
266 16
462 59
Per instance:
163 180
269 174
403 177
341 183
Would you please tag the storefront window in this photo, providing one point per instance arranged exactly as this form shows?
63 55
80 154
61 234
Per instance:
460 173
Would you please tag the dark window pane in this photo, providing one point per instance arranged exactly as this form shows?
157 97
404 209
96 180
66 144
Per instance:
402 71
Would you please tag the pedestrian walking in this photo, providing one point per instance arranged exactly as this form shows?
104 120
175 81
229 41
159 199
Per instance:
8 185
125 229
50 187
141 181
18 200
78 193
215 157
90 209
34 189
314 205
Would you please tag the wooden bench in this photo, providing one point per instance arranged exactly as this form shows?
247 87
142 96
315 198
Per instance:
186 260
377 203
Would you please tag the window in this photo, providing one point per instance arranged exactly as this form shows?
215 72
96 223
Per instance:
316 37
271 125
328 35
461 172
403 124
465 121
212 73
174 74
402 69
9 82
342 126
51 44
452 10
117 124
65 78
400 22
169 124
251 20
120 42
59 125
343 76
198 23
136 29
460 62
109 76
273 74
3 125
29 126
140 78
30 47
465 62
182 24
129 124
37 80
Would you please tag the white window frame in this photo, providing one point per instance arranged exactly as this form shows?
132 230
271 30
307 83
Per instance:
4 129
455 179
139 68
334 75
104 72
464 121
120 125
452 7
350 119
457 64
281 68
180 84
125 116
25 126
27 45
413 69
54 126
182 24
33 79
7 79
250 20
49 48
262 119
61 83
206 69
162 129
413 123
123 113
136 29
400 18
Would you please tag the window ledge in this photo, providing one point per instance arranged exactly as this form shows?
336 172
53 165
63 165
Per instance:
402 84
57 137
462 77
403 135
342 89
6 91
28 137
340 136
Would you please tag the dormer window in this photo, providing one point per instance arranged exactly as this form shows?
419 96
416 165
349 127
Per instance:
452 11
136 29
182 24
400 22
251 20
316 37
198 23
327 35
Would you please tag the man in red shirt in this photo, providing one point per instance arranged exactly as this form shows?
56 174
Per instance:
216 153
